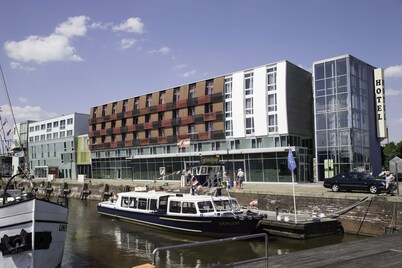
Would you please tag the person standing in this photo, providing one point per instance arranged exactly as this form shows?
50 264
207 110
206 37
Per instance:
240 178
389 182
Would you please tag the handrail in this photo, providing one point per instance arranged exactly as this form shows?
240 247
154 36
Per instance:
203 243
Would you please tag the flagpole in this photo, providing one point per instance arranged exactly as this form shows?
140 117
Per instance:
294 196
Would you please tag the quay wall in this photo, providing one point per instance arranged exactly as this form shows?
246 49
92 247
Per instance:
376 216
379 214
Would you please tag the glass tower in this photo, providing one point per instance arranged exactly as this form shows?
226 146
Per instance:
344 113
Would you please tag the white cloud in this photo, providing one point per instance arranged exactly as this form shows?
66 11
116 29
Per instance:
393 71
131 25
179 67
162 50
393 92
23 99
127 43
54 47
74 26
27 112
19 66
42 49
189 73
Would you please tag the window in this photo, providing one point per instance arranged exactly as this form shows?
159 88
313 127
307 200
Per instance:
191 128
272 103
209 87
56 124
37 128
248 83
272 123
31 129
174 206
192 91
147 134
189 208
191 111
55 135
161 132
103 125
62 134
95 111
250 125
249 106
142 203
104 107
125 105
228 109
69 133
147 118
113 123
271 79
229 128
43 126
208 108
133 202
62 124
42 137
162 95
209 126
135 120
176 131
148 101
228 87
256 143
48 136
49 126
161 116
136 103
114 107
176 94
175 114
123 122
36 138
69 121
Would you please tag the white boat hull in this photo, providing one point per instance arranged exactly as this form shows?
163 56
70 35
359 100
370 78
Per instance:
32 233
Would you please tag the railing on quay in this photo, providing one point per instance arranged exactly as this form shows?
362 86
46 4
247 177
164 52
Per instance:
217 241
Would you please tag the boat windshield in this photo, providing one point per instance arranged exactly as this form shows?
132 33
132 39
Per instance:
227 205
205 206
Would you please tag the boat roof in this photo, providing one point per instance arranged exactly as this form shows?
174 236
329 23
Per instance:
173 196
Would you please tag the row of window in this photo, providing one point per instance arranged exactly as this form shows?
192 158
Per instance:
161 99
49 136
48 127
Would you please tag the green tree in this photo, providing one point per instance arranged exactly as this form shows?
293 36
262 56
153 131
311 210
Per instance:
389 151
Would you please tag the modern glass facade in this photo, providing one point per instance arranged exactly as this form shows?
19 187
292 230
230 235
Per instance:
344 109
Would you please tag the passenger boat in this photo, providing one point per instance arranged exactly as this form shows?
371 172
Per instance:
215 216
32 231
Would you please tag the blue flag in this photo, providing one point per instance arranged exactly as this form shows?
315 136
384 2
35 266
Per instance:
291 161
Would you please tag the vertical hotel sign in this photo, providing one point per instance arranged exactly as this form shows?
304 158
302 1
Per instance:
380 103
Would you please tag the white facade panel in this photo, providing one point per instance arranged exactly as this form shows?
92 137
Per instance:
238 105
281 98
260 101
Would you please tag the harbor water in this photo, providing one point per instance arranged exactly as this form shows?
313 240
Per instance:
98 241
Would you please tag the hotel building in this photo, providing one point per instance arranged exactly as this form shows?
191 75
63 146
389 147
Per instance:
349 116
247 119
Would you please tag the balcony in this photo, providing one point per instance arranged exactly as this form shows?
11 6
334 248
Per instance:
202 136
162 140
113 117
116 130
103 132
131 128
181 103
166 123
144 141
204 99
148 125
161 107
114 145
210 117
187 120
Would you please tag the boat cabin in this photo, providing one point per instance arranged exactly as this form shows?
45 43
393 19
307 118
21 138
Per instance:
178 204
207 174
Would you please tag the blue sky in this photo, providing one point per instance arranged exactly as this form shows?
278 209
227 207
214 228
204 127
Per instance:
65 56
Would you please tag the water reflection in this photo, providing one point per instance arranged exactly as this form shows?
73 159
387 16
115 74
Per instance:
97 241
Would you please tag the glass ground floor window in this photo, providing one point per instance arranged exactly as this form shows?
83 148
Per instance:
258 167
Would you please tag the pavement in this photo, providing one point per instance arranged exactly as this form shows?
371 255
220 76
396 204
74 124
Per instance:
300 189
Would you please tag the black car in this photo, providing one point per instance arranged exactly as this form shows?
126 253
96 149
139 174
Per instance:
355 181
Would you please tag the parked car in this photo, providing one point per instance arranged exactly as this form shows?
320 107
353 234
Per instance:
355 181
